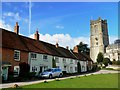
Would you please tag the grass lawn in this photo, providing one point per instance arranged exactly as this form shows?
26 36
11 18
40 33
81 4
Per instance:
92 81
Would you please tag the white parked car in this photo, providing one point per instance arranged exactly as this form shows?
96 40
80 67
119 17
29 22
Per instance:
50 73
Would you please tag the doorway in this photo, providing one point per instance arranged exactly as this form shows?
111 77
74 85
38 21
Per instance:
41 69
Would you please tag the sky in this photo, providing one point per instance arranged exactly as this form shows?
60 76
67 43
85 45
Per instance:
67 23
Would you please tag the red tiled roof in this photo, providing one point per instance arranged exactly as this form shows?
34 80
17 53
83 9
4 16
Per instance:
12 40
88 57
17 42
80 56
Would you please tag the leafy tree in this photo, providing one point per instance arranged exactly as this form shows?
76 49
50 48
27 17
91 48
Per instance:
83 48
24 69
78 67
106 61
53 63
100 58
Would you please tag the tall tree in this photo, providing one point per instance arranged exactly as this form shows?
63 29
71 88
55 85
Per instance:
83 48
100 58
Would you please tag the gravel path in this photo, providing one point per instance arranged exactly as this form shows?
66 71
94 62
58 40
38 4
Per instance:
7 85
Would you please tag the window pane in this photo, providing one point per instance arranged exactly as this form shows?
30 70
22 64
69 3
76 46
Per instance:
17 55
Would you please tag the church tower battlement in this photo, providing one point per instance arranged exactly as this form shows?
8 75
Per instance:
99 38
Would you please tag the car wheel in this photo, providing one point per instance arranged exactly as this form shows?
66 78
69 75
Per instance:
50 76
60 75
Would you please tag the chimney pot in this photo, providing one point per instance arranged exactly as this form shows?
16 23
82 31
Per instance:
57 45
36 35
75 50
16 28
67 47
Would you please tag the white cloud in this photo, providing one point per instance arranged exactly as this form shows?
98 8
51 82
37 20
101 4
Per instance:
16 16
5 26
63 39
66 40
60 27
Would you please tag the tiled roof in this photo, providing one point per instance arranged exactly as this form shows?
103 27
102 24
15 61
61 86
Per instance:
12 40
79 56
17 42
88 57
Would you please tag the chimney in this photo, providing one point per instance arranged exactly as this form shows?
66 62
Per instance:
67 47
16 28
36 35
56 45
75 50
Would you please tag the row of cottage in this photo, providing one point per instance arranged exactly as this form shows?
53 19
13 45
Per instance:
39 55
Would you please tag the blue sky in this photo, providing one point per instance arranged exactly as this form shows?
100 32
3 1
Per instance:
71 20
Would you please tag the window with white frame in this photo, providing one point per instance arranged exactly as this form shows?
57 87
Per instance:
71 69
45 57
57 66
64 60
75 68
75 61
34 69
33 55
16 71
57 59
17 55
45 67
71 61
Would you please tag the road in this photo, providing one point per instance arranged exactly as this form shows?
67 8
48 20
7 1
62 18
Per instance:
8 85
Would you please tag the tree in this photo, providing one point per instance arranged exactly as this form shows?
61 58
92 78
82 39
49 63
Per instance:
100 58
53 63
24 69
78 67
106 61
83 48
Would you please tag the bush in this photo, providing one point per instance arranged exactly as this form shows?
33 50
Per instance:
106 61
32 74
24 69
118 62
3 79
10 77
64 72
95 67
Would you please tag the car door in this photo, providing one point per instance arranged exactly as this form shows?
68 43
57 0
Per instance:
54 72
57 72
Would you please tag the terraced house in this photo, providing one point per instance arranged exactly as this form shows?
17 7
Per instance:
39 55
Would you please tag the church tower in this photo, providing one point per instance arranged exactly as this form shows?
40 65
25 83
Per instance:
99 38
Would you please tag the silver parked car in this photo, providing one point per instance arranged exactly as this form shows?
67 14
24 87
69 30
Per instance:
50 73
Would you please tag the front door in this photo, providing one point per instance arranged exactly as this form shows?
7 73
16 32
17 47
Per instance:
5 73
41 69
